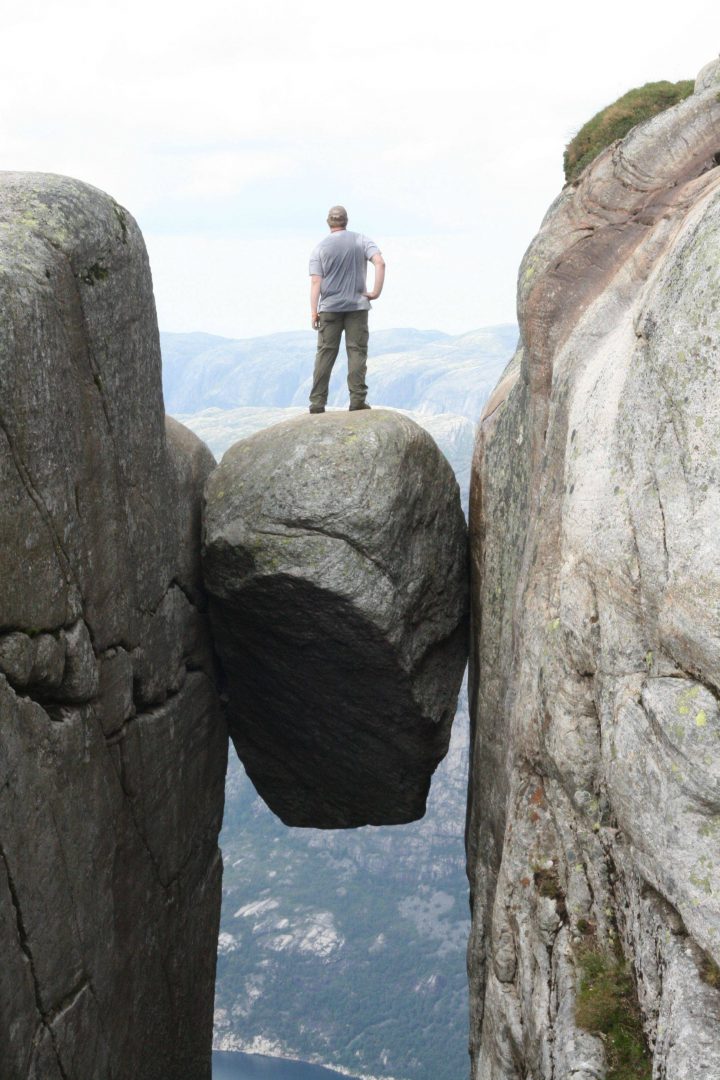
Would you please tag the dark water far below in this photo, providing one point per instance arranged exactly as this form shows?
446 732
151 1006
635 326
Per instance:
234 1066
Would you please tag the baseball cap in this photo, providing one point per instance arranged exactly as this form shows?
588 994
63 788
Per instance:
337 215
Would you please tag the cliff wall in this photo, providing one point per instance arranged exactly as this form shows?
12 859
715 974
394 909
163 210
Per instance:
595 767
112 742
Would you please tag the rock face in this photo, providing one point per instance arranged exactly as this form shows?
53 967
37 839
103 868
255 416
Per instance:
335 558
595 787
112 744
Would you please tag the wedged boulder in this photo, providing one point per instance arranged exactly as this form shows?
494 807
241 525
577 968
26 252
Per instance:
334 552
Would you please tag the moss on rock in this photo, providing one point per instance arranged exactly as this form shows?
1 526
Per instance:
617 119
710 972
607 1005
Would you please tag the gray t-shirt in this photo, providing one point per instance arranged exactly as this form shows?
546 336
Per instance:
341 260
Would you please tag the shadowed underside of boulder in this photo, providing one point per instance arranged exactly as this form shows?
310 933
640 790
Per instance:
334 554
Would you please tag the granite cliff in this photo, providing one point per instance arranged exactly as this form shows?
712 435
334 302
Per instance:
594 799
112 743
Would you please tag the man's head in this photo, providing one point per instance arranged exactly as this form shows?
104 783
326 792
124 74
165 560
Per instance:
337 217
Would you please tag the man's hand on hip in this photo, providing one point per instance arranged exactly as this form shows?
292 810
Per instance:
315 320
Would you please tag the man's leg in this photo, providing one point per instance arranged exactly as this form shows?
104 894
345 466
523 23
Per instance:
356 344
329 334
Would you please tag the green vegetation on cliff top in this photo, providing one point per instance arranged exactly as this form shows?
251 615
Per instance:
617 119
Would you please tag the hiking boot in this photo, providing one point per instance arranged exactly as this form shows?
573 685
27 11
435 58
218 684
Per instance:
362 405
317 408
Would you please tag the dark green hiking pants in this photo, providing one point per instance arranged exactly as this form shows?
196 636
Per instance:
332 324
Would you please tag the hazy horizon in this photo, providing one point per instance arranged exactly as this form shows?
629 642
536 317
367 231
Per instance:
308 330
227 131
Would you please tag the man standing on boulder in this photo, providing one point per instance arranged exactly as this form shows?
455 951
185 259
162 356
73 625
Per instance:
339 300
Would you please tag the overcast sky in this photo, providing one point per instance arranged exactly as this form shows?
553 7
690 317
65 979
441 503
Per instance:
229 128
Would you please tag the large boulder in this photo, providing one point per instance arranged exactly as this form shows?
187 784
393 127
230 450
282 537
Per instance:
335 557
112 742
595 792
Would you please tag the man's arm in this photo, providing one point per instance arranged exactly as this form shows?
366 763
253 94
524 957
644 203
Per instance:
315 282
379 264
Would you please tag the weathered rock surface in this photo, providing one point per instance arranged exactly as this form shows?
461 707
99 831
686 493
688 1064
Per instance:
112 744
595 788
335 558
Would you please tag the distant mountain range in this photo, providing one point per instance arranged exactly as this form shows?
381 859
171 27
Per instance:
226 389
201 370
418 370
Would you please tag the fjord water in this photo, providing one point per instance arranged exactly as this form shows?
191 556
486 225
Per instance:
234 1066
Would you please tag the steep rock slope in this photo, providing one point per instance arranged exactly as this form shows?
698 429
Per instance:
334 552
594 794
112 743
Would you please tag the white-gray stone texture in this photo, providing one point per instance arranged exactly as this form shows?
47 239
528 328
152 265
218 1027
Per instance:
596 659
